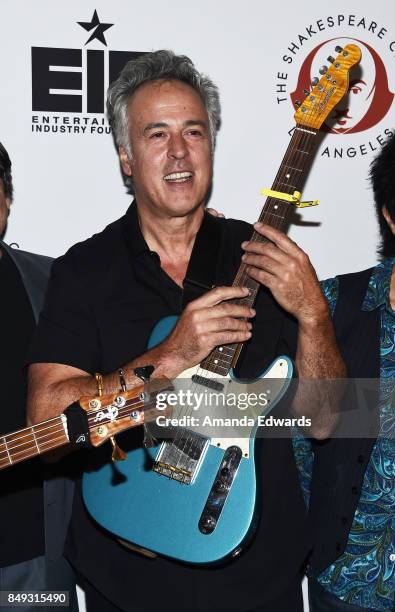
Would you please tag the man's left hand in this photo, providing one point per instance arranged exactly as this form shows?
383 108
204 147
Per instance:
286 270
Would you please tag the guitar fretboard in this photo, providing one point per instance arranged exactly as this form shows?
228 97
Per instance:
30 441
290 177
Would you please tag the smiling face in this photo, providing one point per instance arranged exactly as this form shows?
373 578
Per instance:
171 164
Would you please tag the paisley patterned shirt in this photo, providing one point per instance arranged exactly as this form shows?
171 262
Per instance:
364 575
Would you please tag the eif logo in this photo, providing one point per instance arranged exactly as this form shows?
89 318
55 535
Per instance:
75 81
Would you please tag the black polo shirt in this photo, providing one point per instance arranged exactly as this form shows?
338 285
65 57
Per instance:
105 296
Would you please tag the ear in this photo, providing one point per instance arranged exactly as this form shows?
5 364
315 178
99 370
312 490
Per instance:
8 203
125 162
387 217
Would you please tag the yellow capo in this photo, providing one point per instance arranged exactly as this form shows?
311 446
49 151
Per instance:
293 199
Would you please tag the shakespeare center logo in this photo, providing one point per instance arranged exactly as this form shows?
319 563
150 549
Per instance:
362 121
69 85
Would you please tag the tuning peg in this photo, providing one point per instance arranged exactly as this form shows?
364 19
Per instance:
314 81
330 59
298 103
323 69
306 92
338 49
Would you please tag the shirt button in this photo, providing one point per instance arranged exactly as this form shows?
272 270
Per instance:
361 458
354 490
392 557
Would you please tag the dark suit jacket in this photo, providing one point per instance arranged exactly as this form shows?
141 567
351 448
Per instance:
58 491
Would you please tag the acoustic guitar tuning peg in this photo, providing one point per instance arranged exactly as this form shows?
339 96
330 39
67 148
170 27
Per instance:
330 59
298 103
338 49
306 92
323 69
314 81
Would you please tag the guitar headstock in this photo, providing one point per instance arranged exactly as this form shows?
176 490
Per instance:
329 89
110 414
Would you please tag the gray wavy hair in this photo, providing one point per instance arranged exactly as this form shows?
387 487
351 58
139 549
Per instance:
153 66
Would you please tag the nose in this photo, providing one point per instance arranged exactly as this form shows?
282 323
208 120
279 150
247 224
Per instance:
342 112
177 147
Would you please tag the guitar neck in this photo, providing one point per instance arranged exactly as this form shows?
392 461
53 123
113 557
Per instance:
107 416
30 441
275 212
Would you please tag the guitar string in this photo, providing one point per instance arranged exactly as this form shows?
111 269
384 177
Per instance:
29 452
123 412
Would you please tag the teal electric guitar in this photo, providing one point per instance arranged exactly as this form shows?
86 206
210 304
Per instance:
192 496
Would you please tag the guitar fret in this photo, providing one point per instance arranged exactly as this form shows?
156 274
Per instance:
35 439
293 168
221 361
30 441
207 364
287 184
7 451
271 214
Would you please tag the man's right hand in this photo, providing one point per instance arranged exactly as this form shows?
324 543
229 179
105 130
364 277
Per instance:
207 322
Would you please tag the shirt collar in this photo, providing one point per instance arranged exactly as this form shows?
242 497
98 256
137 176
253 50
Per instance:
132 232
378 292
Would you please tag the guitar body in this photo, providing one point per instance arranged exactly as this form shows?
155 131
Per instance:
162 514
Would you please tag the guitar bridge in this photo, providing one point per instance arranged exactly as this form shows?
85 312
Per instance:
175 473
181 458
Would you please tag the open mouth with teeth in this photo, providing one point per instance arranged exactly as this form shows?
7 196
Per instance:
178 177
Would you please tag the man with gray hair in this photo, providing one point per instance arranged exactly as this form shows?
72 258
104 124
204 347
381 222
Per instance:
107 293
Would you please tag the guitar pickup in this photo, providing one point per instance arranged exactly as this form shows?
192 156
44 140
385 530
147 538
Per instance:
207 382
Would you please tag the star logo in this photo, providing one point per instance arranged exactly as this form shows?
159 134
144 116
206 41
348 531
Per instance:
100 28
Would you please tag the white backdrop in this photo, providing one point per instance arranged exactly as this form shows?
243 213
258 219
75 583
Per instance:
67 183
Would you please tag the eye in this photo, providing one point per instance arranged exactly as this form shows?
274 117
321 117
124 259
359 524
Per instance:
356 89
195 132
157 135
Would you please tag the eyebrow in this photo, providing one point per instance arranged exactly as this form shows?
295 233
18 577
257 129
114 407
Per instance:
162 124
356 82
